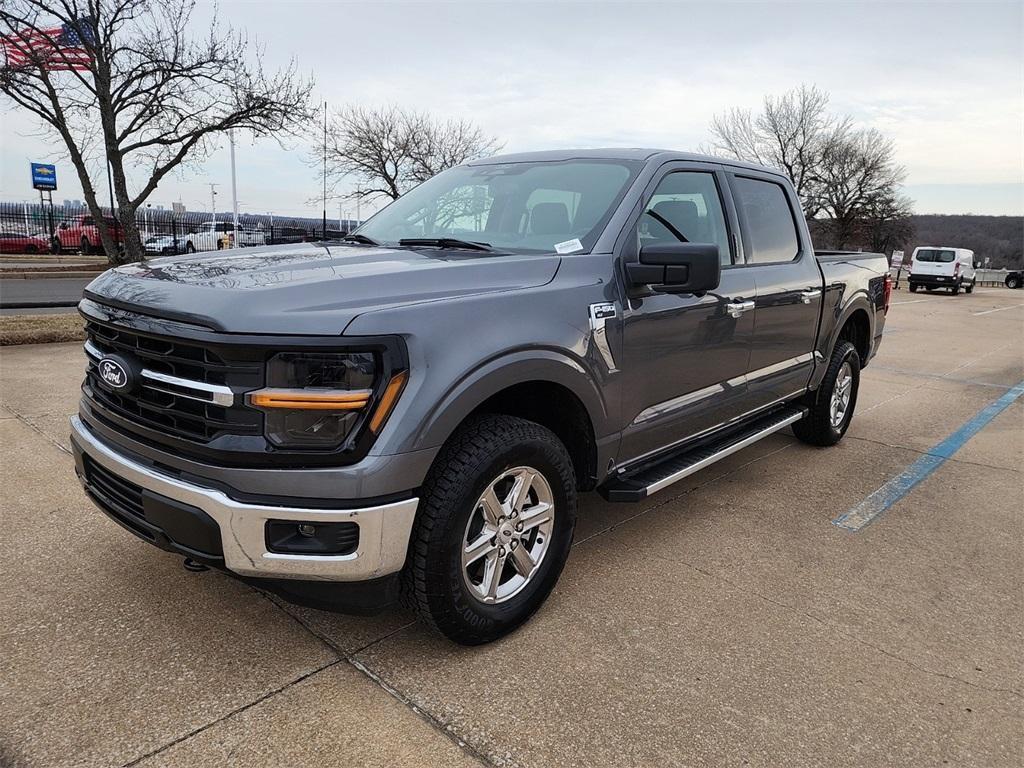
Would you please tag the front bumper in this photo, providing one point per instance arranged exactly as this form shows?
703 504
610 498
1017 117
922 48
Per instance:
383 529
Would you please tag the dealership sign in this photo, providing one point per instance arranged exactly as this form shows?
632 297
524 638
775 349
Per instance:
44 176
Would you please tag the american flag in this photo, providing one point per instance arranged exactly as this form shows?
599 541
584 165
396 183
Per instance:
56 49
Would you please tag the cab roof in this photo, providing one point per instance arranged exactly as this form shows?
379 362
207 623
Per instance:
619 153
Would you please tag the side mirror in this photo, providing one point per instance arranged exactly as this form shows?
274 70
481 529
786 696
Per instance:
977 265
678 267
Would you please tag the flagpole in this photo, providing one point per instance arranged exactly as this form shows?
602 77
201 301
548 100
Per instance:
234 189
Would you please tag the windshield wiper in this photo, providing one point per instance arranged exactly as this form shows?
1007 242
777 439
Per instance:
446 242
357 238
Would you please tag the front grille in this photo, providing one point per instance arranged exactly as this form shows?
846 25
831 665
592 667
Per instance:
170 409
117 494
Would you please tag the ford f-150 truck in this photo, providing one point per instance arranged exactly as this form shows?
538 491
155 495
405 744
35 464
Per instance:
412 411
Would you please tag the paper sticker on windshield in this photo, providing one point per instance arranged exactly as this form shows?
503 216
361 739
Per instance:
569 246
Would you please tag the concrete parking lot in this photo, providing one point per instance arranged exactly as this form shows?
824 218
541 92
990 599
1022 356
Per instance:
725 621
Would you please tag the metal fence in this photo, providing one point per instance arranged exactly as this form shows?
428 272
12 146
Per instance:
34 228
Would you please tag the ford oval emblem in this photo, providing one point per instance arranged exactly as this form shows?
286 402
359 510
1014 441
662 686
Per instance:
114 374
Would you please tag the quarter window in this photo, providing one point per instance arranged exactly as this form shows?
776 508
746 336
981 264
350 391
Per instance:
771 230
688 203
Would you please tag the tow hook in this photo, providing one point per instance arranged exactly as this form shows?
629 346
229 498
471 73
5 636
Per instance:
194 565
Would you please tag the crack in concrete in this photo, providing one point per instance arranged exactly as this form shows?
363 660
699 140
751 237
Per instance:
849 636
229 715
435 722
24 420
919 452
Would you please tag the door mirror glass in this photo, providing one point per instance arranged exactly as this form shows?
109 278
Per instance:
678 267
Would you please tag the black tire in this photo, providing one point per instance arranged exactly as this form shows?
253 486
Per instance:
85 246
55 246
955 289
913 287
816 428
970 288
31 249
1013 281
433 584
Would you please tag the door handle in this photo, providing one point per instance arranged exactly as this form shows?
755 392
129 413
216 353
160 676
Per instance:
810 295
737 308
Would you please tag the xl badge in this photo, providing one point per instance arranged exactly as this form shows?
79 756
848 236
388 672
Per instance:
114 374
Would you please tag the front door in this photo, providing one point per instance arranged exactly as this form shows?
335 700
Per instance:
684 357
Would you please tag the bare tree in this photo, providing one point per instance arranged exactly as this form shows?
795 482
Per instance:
857 177
137 90
791 132
388 150
848 175
887 223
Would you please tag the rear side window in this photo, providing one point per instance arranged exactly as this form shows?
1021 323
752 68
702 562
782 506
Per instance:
935 254
771 230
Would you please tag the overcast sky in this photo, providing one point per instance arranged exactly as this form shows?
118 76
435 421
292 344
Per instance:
944 80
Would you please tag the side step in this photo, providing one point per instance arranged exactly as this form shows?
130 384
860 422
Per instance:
652 478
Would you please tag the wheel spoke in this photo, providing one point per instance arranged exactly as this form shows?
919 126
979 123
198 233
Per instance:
520 491
523 561
493 566
491 506
478 548
536 515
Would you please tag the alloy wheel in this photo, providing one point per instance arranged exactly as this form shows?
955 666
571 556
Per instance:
508 534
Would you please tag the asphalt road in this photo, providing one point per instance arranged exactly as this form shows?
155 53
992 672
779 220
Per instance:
64 289
728 620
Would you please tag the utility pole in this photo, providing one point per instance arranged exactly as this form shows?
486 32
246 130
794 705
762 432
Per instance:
234 191
213 206
324 233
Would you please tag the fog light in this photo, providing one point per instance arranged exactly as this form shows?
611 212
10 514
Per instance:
292 537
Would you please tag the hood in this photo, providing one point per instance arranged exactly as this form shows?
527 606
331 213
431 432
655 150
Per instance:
308 288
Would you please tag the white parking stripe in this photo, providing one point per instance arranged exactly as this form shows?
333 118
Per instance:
915 301
1000 309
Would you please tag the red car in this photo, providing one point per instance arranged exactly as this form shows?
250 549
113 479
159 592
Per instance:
15 242
81 232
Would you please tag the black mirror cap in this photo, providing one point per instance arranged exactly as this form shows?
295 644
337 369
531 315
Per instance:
678 267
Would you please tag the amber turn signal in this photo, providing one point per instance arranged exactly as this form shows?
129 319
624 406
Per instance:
388 400
310 400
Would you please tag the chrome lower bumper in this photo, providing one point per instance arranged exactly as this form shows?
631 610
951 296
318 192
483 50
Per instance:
383 530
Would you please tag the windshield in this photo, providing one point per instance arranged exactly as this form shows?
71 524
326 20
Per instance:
932 254
517 207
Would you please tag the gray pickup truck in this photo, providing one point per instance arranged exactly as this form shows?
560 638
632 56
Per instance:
411 412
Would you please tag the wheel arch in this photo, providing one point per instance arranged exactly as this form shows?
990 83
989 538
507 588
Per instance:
546 387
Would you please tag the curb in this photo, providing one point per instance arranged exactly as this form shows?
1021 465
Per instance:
36 304
46 275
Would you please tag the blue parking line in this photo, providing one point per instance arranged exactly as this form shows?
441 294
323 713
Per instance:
894 490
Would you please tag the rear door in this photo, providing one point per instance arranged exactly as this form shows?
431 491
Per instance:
684 356
934 262
780 258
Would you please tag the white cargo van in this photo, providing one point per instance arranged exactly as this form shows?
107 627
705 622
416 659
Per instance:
941 267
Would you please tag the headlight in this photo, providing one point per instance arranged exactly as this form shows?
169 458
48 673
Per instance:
314 400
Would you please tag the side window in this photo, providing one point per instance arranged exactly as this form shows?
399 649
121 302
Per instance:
770 226
688 202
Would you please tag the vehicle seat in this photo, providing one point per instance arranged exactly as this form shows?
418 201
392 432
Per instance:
549 219
683 215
